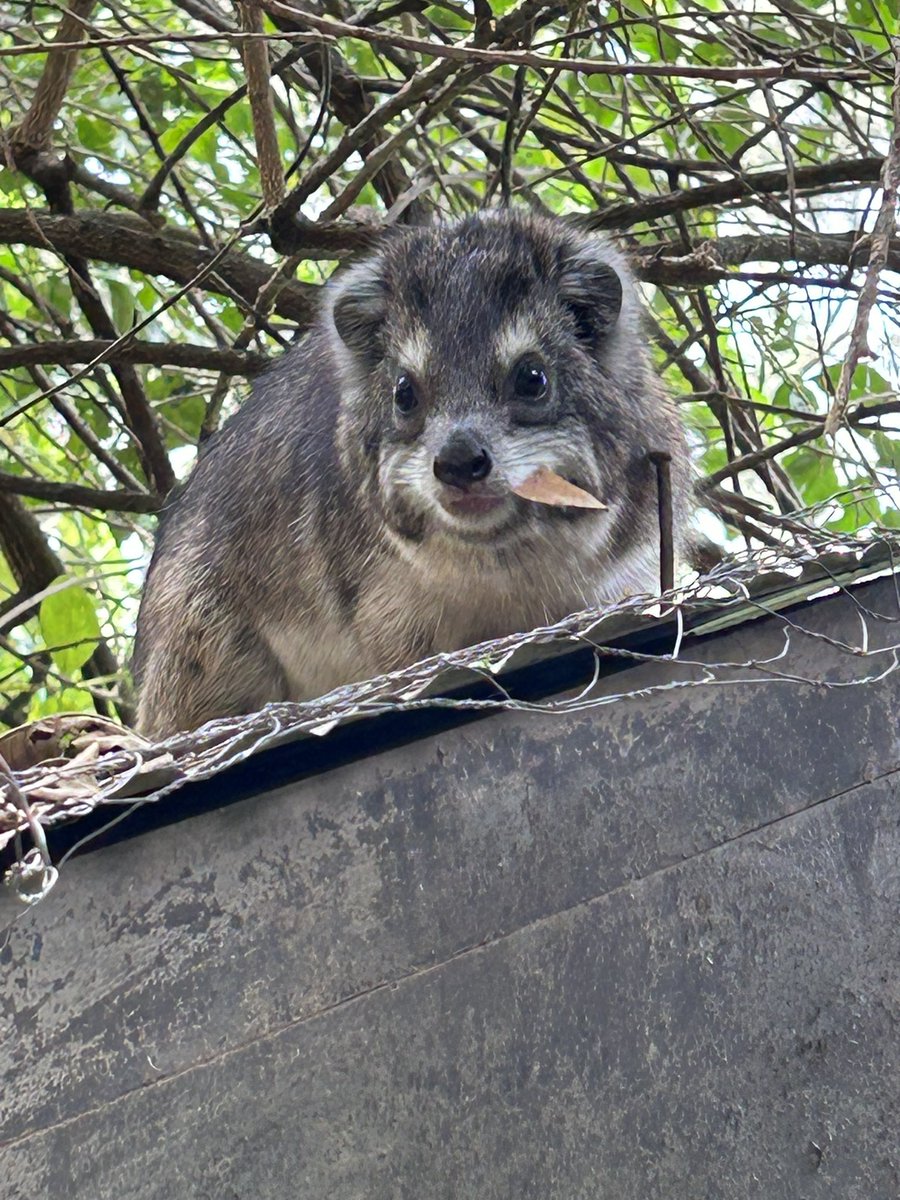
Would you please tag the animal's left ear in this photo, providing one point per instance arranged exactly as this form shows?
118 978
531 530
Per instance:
591 288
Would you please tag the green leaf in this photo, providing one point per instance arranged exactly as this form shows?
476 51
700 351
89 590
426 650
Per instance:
10 182
70 699
887 446
69 627
94 135
814 473
123 305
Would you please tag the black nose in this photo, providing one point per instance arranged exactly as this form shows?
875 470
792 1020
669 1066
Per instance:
462 461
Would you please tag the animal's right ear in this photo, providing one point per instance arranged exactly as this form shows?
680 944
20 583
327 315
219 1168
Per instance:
591 287
359 307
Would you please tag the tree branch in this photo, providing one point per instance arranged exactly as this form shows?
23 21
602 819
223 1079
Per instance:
172 254
756 183
76 494
255 55
127 241
350 102
33 132
748 461
666 263
159 354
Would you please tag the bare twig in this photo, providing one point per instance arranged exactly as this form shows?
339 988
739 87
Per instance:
749 461
470 53
255 54
885 225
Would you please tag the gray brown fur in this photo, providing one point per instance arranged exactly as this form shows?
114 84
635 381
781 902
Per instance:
310 547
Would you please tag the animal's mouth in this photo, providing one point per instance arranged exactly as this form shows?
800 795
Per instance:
477 514
472 504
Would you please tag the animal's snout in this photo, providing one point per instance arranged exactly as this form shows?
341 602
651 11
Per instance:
462 460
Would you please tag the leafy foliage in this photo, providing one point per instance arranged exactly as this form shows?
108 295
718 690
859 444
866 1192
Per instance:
155 246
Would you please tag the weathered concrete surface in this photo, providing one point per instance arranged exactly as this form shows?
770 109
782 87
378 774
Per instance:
726 1028
683 990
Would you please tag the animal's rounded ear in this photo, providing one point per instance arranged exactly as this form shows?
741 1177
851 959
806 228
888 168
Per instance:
358 307
590 286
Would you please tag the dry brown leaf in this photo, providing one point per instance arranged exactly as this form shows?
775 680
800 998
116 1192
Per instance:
544 486
64 735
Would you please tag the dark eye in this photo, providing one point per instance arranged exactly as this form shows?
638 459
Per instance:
529 380
405 396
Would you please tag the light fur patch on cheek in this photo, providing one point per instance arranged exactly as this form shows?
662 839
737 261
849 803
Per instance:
408 471
517 455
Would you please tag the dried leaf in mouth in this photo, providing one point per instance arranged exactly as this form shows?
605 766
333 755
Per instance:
544 486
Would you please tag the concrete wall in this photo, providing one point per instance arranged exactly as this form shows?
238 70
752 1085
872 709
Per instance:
651 950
